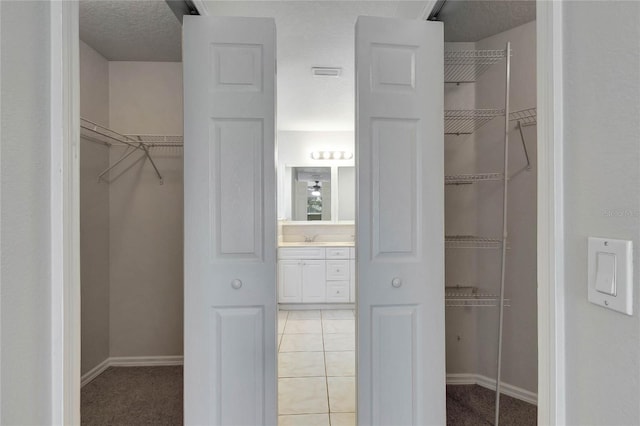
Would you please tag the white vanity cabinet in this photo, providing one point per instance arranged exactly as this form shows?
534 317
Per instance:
315 275
301 275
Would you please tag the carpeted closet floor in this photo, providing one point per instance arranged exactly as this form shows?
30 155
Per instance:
153 396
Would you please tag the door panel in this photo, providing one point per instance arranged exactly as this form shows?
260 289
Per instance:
230 221
400 222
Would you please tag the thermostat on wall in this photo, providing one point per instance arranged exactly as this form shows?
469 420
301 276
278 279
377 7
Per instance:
610 269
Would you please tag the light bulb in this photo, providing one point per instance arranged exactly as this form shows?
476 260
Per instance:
315 193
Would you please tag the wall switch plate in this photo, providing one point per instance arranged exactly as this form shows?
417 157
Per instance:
610 269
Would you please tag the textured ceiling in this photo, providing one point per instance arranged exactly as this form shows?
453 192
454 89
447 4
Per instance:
137 30
315 34
473 20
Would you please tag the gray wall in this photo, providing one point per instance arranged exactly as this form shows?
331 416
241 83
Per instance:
477 209
94 212
602 171
25 346
520 355
146 218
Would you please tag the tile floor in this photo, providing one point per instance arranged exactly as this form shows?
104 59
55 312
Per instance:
316 368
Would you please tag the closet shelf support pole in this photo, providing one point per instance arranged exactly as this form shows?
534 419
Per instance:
524 145
504 227
126 154
146 151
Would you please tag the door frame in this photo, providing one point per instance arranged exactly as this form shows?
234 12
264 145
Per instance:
65 213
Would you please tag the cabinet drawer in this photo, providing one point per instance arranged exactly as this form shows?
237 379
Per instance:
337 270
338 291
337 253
301 253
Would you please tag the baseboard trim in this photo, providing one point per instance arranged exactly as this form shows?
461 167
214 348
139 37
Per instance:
145 361
94 372
130 361
489 383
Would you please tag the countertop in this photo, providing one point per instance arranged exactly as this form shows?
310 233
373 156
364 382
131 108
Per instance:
317 244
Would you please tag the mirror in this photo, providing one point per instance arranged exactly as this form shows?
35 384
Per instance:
311 193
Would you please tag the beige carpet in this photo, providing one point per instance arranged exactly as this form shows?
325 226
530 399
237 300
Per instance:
134 396
153 396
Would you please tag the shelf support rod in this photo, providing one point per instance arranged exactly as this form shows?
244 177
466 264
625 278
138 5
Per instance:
504 227
524 145
146 152
126 154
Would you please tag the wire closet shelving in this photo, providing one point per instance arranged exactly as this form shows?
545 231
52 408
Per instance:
467 66
142 144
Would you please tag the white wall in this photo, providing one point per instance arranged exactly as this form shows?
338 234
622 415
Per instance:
94 212
146 218
602 171
25 269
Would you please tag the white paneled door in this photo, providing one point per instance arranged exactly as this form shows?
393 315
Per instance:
230 221
400 222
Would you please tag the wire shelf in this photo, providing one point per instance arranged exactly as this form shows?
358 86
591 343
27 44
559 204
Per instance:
471 242
460 296
158 140
465 122
466 66
102 134
526 117
471 178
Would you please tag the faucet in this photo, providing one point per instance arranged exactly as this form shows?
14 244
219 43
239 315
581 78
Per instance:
310 238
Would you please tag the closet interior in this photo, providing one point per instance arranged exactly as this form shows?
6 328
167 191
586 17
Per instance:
131 211
490 222
132 208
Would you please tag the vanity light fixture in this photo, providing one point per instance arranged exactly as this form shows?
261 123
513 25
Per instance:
332 155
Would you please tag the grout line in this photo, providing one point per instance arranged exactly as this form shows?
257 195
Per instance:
326 374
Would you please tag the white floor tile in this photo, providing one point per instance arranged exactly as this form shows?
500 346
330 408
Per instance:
338 326
304 420
303 395
342 394
341 363
339 342
301 343
298 315
301 364
279 341
337 314
281 325
343 419
303 326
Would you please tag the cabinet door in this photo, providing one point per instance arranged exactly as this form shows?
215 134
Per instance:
313 281
289 281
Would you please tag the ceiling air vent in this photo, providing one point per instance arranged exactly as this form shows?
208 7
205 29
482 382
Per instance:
326 72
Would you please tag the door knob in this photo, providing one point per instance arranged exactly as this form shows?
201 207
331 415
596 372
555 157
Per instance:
396 282
236 284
